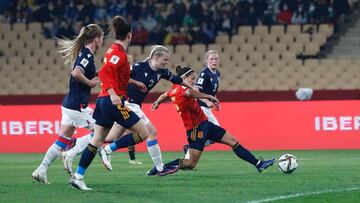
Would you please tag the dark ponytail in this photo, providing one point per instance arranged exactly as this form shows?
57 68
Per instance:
183 71
120 27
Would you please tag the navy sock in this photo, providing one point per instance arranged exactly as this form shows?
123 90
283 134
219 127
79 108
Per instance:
86 159
244 154
127 140
176 162
131 151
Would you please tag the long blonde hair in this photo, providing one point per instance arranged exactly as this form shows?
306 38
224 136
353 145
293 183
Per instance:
70 48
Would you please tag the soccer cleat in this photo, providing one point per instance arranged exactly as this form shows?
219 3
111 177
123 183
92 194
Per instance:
135 162
40 177
166 171
105 158
78 184
68 162
264 164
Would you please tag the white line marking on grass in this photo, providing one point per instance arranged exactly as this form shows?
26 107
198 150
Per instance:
282 197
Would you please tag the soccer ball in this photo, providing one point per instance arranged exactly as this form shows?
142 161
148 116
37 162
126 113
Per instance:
287 163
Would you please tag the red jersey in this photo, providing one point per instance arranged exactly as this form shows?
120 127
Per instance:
115 73
188 107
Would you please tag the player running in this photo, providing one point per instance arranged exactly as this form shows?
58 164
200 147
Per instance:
110 104
149 72
79 54
198 128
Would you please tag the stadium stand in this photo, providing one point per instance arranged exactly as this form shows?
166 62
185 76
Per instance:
264 57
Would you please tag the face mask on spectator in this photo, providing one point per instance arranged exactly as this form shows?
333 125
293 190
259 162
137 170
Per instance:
312 8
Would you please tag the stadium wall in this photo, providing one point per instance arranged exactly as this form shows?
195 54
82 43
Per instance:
258 125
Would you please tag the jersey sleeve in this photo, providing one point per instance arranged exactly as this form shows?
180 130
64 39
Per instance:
134 69
107 73
167 75
84 61
201 81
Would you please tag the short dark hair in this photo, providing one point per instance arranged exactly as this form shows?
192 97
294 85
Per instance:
183 71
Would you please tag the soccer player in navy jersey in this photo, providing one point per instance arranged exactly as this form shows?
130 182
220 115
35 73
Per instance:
198 128
79 55
149 72
208 83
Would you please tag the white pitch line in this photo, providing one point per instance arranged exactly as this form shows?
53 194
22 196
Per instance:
282 197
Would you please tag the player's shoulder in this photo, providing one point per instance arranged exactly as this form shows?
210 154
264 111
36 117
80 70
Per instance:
116 55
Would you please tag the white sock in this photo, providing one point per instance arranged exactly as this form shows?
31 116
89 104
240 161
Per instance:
155 154
52 153
187 155
81 144
78 176
107 149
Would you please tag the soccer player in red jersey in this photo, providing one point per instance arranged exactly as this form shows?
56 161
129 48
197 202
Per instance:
115 77
197 126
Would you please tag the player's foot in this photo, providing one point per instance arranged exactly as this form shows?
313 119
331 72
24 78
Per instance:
186 148
40 177
135 162
265 164
105 158
78 183
68 162
166 171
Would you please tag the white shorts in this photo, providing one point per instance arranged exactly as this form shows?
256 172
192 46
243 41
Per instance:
79 119
210 115
137 110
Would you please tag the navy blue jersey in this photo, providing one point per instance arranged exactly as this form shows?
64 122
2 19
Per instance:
79 93
143 73
208 82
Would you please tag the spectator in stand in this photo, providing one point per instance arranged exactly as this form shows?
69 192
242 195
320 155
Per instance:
42 13
24 12
115 8
71 11
252 18
87 12
313 16
140 35
180 10
149 22
284 16
157 35
196 11
181 37
66 29
188 20
299 16
226 24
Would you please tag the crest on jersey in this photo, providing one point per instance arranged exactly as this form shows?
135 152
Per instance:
89 55
84 62
114 59
146 74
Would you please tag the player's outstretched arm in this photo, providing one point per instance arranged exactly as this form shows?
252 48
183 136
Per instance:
140 85
200 95
160 99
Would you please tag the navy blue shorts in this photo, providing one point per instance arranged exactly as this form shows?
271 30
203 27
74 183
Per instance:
205 131
105 114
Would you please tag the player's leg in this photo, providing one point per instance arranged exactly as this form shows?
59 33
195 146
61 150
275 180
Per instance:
88 155
219 134
85 120
153 146
132 156
64 139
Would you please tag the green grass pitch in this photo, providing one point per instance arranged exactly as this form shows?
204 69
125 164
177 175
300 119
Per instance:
323 176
